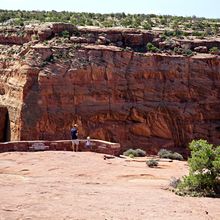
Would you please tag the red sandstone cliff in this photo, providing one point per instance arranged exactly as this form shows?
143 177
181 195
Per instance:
137 99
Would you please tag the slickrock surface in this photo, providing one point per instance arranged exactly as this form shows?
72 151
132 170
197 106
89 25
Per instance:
79 186
103 80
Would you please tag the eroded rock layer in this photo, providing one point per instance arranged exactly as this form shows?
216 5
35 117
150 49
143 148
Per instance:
139 100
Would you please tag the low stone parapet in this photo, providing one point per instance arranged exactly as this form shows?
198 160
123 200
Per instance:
98 146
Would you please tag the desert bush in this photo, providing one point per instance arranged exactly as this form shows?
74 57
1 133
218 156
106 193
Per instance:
130 152
65 34
198 33
187 52
184 52
204 173
140 152
152 163
178 33
176 156
34 37
151 48
131 155
168 33
163 153
147 26
135 153
177 50
214 50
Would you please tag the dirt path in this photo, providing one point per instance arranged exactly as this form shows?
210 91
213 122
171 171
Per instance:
69 185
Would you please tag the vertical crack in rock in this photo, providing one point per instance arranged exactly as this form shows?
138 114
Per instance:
129 94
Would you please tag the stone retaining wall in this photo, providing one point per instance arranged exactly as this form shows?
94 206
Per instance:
97 146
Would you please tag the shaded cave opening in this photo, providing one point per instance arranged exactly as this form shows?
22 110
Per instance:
5 130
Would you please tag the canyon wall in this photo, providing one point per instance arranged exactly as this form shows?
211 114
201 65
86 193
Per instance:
12 81
140 100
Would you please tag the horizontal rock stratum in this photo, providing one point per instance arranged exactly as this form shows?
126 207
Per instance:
54 75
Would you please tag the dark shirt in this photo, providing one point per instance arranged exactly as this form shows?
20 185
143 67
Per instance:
74 134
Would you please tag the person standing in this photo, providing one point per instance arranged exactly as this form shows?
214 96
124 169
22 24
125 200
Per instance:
88 143
74 137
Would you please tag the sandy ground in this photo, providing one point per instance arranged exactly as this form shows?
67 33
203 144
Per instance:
70 185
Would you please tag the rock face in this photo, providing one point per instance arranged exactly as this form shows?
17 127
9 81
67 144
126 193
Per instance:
140 100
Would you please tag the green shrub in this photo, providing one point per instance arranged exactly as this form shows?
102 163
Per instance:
130 152
152 163
45 42
204 173
168 33
131 155
65 34
214 50
178 33
135 153
163 153
182 51
151 48
176 156
34 37
147 26
198 34
187 52
140 152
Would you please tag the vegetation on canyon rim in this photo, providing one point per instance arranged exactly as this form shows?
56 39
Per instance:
204 171
175 25
170 31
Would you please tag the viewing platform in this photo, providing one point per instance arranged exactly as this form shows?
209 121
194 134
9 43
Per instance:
98 146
